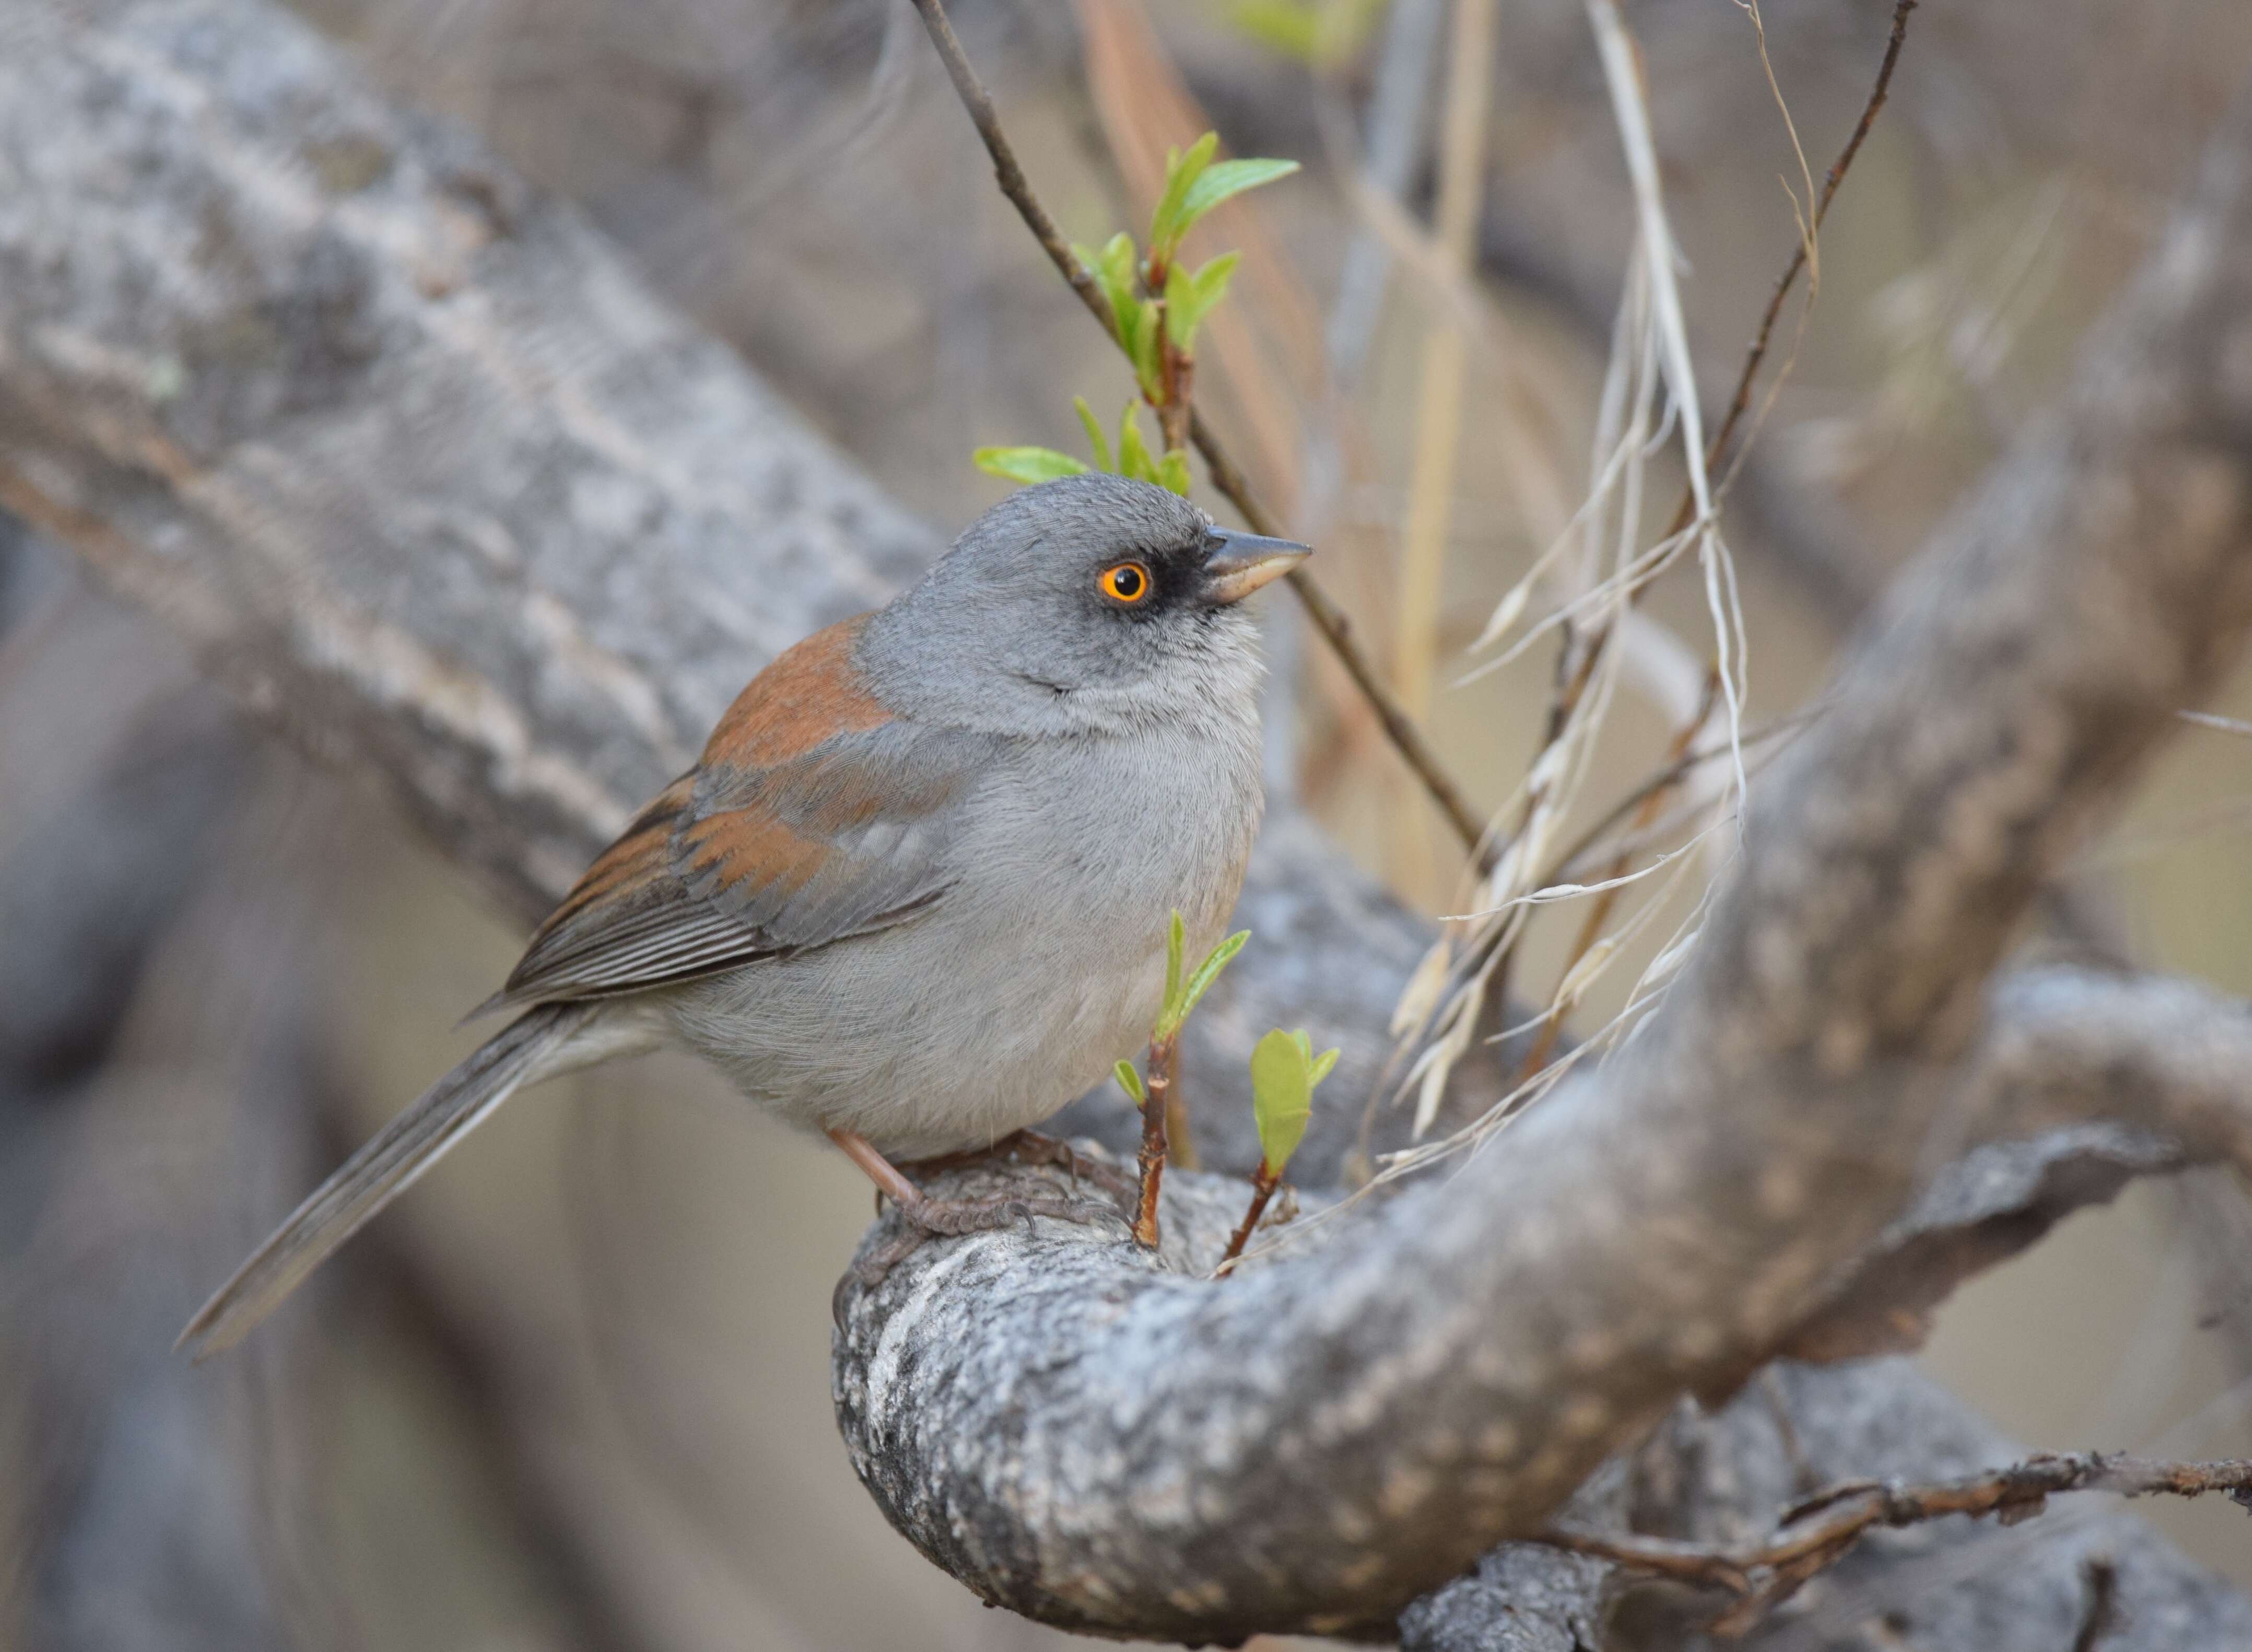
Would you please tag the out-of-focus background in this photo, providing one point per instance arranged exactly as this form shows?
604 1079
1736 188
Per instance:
572 1392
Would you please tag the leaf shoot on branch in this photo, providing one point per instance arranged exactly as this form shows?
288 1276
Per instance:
1156 304
1284 1073
1165 1116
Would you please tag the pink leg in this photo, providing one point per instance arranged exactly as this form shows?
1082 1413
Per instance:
949 1216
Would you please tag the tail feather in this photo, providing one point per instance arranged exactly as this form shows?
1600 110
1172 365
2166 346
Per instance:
369 1180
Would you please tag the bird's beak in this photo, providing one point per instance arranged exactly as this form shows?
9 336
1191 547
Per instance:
1239 563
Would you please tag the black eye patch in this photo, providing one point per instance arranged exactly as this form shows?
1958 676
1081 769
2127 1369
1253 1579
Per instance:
1170 573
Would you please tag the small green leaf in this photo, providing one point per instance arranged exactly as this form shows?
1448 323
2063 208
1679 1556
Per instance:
1211 281
1180 308
1174 472
1135 316
1130 326
1133 455
1095 439
1118 262
1026 464
1129 1082
1228 178
1119 267
1284 1071
1148 333
1281 1097
1113 269
1207 972
1188 298
1181 174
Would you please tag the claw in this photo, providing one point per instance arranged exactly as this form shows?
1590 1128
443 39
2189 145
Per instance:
928 1217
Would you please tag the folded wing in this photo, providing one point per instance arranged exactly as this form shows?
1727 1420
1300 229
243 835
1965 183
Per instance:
815 816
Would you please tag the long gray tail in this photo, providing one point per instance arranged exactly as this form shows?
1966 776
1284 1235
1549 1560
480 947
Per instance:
381 1171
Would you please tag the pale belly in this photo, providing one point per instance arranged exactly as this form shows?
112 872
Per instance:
1012 996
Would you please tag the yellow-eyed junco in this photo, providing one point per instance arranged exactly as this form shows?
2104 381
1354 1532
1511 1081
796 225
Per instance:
915 893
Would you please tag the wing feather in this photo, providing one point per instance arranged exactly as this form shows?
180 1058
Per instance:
815 816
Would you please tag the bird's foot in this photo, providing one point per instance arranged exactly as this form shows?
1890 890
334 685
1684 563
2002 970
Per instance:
948 1218
1030 1147
929 1219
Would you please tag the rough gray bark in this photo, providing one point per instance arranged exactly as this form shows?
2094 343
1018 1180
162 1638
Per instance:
425 476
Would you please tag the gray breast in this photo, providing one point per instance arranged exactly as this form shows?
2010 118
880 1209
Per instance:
1041 965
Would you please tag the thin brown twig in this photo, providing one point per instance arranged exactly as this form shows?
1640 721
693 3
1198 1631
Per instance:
1819 1531
1740 402
1161 1066
1264 1183
1174 412
1327 617
1006 172
1180 1139
1176 367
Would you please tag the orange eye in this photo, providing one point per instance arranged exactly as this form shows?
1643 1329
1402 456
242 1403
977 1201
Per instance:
1126 582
